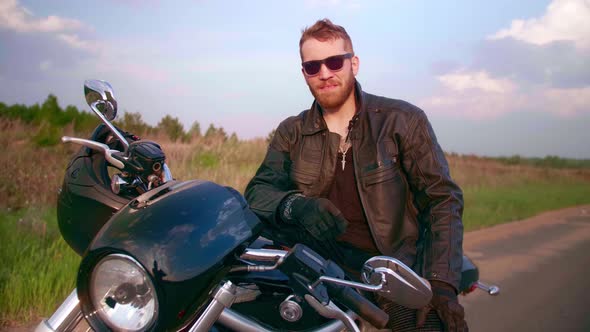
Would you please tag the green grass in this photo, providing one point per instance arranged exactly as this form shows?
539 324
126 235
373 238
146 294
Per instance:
487 206
38 269
547 161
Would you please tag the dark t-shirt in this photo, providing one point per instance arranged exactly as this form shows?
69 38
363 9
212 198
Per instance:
345 196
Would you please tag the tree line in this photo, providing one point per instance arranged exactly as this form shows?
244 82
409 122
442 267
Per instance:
51 118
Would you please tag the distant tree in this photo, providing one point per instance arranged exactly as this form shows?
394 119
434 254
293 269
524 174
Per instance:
233 138
213 133
50 111
221 133
195 129
172 127
133 123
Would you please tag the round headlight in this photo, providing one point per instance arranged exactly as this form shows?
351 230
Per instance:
123 294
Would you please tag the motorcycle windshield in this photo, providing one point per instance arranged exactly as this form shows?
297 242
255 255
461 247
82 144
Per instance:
181 230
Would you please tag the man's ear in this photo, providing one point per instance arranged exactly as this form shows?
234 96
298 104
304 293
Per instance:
355 64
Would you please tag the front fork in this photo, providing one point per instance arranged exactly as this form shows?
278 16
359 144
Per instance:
223 298
68 317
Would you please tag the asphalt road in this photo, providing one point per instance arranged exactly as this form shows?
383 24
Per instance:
542 266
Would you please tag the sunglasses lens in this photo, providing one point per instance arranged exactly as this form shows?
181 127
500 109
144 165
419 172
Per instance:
312 67
335 62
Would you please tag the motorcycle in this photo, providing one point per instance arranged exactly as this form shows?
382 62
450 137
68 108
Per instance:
160 254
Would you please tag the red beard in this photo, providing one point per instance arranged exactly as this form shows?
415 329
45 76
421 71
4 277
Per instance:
333 98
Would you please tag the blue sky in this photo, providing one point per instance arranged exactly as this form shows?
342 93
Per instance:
495 78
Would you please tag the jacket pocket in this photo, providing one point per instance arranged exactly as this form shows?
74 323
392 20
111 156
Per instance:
390 172
311 156
303 178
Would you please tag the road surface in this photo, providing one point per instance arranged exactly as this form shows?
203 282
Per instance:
542 266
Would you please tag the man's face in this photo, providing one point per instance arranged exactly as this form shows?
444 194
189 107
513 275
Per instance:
330 88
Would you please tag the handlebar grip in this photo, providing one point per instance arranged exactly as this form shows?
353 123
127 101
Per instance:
361 305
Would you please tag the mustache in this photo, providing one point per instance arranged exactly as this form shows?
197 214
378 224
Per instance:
327 83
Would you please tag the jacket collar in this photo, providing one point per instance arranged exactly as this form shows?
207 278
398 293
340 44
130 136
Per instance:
314 121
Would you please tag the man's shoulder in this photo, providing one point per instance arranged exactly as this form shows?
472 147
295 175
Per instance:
294 121
391 105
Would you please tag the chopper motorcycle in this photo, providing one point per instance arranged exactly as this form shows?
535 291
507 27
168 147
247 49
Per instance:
160 254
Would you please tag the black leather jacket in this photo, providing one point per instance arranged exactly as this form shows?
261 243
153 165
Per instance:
412 205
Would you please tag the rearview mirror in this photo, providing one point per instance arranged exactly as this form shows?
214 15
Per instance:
100 93
402 285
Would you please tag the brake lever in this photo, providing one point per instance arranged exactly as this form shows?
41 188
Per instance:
108 152
332 311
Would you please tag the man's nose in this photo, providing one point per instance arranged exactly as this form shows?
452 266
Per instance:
325 73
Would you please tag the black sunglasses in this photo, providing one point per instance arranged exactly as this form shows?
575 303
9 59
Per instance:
334 63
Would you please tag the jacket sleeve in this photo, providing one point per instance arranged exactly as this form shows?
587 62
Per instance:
272 183
438 199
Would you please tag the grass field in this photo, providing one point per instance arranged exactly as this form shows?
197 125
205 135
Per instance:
38 269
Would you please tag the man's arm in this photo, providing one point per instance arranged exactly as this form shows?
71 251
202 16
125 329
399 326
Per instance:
272 184
438 199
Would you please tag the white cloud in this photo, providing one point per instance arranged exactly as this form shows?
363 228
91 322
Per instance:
18 18
478 105
564 20
481 105
74 41
517 71
480 80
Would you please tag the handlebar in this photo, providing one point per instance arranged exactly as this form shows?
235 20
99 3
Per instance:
108 152
304 266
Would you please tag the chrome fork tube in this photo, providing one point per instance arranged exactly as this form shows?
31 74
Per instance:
65 318
224 297
237 322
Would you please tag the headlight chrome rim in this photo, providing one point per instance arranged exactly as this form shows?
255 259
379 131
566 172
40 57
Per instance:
106 305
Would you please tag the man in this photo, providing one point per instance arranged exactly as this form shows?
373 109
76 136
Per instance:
359 175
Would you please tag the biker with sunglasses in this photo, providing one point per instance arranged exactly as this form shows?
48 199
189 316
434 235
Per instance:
359 175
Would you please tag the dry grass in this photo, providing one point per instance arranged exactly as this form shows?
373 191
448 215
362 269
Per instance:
31 175
227 163
478 172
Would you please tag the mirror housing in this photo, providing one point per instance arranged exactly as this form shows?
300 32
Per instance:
100 94
402 285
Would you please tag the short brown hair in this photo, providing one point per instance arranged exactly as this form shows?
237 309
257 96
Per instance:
324 30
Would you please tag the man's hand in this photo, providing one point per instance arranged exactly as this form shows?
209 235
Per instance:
444 302
318 216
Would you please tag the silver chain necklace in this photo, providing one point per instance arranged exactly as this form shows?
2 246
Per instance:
344 148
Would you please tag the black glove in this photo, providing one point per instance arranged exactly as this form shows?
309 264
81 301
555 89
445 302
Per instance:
318 216
444 302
